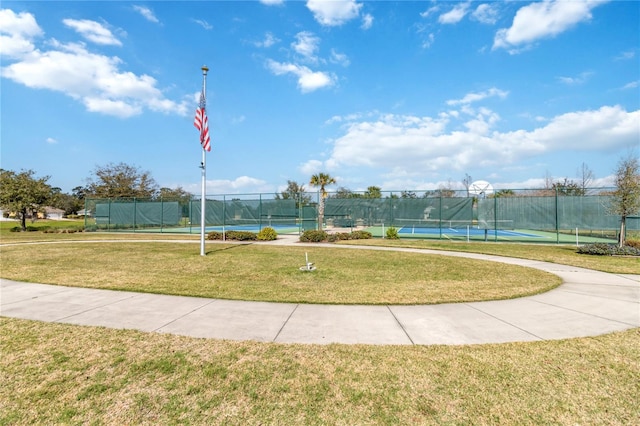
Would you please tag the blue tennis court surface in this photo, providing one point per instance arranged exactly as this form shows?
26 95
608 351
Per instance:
254 228
462 232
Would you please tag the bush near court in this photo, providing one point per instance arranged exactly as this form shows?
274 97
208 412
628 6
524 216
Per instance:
265 234
604 249
313 236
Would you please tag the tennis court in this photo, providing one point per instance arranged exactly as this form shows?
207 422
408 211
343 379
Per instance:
463 232
523 217
280 228
482 230
461 229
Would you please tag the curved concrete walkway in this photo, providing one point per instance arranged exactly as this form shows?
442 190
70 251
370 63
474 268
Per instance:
588 303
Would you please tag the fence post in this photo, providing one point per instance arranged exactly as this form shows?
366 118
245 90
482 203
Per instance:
224 217
557 229
161 214
440 215
495 219
260 211
299 205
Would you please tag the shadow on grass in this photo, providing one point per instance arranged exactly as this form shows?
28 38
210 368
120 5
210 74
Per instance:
241 244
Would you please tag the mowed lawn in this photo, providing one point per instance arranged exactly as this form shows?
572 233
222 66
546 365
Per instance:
64 374
271 273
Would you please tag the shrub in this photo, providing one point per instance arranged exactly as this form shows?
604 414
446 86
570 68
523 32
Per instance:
318 236
71 230
392 233
632 243
267 234
313 236
360 235
215 235
241 236
604 249
232 236
338 236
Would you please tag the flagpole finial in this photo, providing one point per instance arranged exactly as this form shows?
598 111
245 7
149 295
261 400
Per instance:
205 69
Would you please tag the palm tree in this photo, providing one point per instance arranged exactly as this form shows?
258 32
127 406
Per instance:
321 180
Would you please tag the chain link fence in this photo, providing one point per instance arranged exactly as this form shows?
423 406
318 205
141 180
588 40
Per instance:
528 215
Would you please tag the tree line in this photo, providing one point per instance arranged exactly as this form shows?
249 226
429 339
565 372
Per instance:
25 194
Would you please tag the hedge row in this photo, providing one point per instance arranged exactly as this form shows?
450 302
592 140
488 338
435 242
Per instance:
312 236
604 249
48 230
266 234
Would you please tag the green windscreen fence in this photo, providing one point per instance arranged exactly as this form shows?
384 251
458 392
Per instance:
523 215
547 213
245 212
427 212
136 214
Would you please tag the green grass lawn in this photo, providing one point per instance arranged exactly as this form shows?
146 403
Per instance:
563 254
64 374
270 273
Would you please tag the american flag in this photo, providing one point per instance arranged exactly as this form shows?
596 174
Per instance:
202 124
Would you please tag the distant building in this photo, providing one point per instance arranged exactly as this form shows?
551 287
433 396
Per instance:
51 213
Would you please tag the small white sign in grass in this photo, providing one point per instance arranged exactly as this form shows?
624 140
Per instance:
308 267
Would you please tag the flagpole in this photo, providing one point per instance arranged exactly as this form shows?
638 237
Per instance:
203 165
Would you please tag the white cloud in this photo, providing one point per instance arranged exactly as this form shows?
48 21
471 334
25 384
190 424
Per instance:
423 145
238 120
51 141
117 108
339 58
541 20
17 32
308 80
23 24
426 38
146 13
306 45
93 31
632 85
204 24
573 81
455 15
428 41
239 185
334 13
268 41
341 119
311 167
367 21
624 56
590 130
475 97
486 13
430 11
93 79
272 2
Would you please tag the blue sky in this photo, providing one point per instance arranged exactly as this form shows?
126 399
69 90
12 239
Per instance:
400 95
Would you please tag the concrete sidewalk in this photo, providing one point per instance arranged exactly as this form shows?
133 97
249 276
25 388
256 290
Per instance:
588 303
